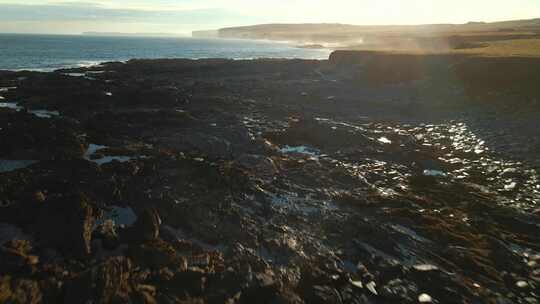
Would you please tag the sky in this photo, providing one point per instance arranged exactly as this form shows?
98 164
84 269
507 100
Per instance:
184 16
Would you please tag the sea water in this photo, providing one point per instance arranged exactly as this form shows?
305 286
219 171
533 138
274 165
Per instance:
50 52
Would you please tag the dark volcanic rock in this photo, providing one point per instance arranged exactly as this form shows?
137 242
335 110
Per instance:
146 228
19 291
16 257
369 178
108 234
157 254
109 282
67 222
30 137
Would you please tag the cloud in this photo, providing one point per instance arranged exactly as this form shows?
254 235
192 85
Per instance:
91 11
70 16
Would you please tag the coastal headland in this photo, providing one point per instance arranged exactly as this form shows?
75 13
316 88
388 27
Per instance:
504 38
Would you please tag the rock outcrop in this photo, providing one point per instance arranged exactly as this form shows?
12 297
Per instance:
368 178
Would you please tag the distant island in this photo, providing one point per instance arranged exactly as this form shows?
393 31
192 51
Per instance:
119 34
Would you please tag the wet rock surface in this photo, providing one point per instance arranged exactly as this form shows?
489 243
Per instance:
269 181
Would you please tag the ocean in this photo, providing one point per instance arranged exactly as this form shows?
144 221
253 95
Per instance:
50 52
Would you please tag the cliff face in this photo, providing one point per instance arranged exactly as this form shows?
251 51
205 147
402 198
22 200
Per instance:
350 35
294 32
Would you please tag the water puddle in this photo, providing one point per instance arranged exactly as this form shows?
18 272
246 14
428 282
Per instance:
386 192
10 232
39 113
181 235
449 150
293 204
300 150
86 75
376 252
289 202
110 159
474 162
75 74
12 165
425 267
384 140
510 187
410 233
45 113
10 105
122 216
435 173
96 72
5 89
341 123
93 148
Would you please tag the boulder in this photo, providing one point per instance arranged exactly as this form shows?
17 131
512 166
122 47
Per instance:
146 228
108 282
15 256
156 254
19 291
106 231
192 282
260 165
67 222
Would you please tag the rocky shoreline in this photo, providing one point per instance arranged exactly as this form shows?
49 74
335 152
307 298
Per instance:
366 178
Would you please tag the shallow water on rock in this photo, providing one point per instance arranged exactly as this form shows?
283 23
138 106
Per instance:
45 113
302 205
10 105
384 140
409 233
5 89
10 232
38 113
300 150
452 146
12 165
75 74
109 159
122 216
416 167
428 172
93 148
181 234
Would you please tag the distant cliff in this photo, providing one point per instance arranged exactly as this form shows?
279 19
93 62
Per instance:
324 32
292 32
